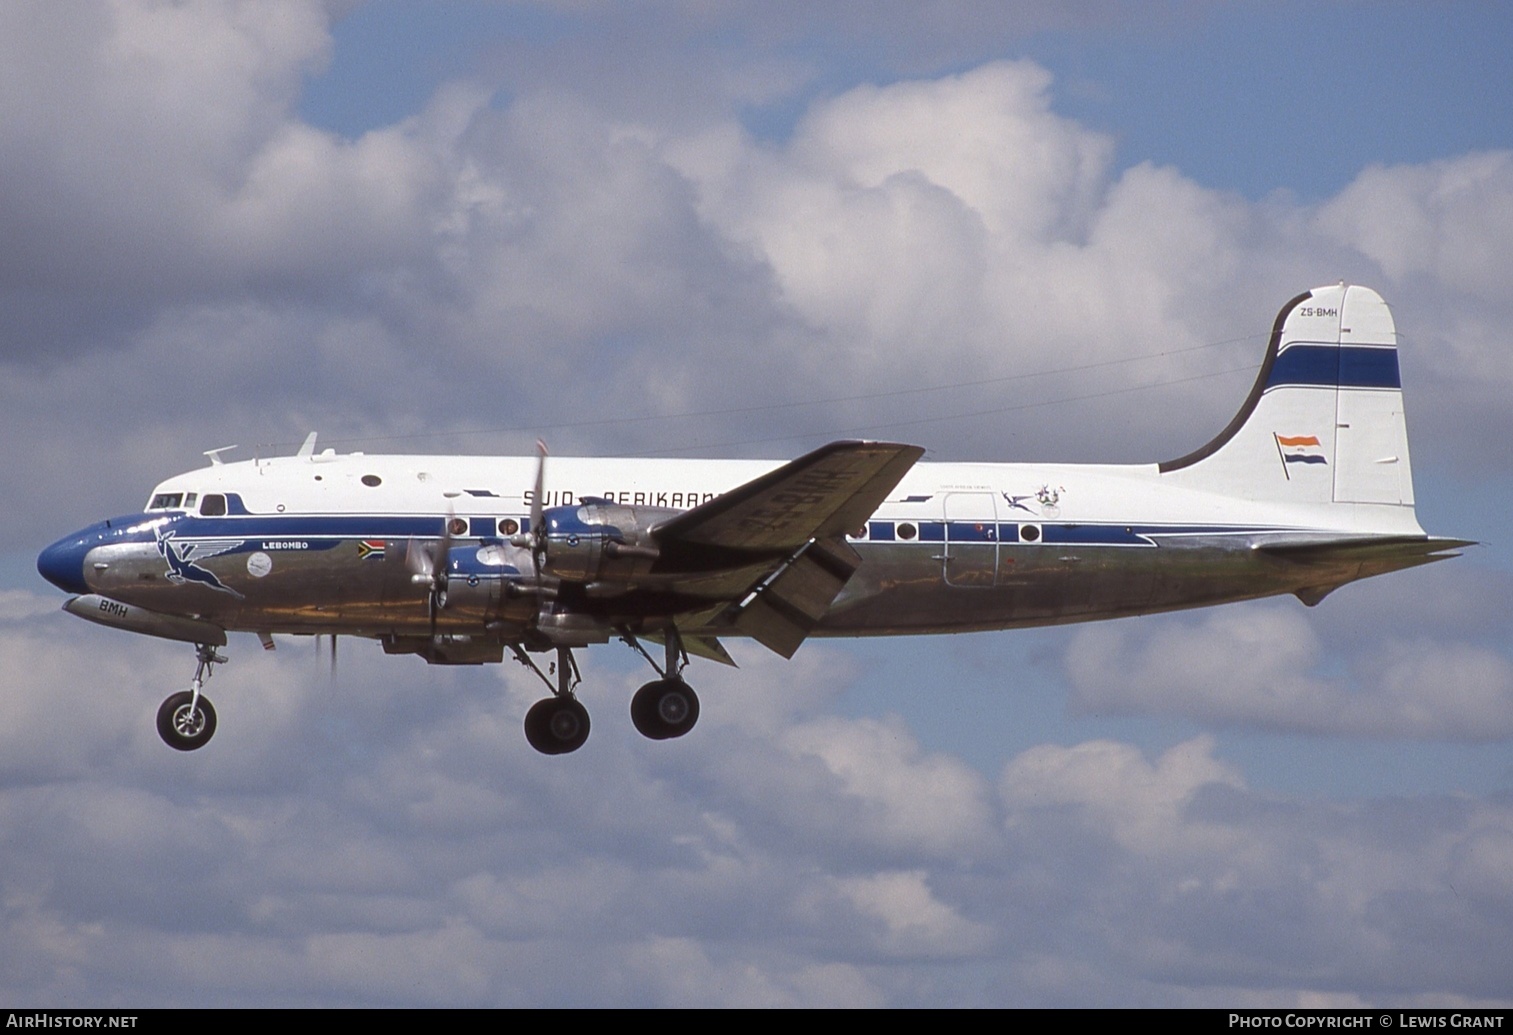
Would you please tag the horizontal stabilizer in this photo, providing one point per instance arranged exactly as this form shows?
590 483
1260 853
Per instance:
1345 559
1360 548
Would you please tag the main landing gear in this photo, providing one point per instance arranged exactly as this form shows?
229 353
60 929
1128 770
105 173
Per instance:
186 720
558 724
665 708
661 710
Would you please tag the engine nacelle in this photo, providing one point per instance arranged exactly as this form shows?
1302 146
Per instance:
601 541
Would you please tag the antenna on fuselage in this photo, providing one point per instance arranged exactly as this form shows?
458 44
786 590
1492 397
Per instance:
308 449
215 455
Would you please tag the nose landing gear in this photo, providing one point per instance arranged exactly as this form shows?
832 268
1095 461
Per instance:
186 720
184 723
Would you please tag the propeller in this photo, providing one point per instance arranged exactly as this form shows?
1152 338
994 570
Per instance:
428 567
333 653
535 539
538 522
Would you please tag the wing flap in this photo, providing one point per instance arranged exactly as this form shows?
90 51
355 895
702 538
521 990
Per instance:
702 647
782 611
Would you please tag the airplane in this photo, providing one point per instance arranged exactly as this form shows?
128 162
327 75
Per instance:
460 559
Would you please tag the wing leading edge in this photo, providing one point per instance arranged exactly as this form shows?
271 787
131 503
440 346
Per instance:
828 492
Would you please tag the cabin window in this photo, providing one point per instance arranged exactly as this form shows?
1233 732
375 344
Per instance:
213 505
166 501
372 481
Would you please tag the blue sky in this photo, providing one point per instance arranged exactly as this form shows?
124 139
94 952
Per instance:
436 227
1232 94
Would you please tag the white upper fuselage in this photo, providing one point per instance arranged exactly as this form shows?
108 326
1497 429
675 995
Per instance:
331 483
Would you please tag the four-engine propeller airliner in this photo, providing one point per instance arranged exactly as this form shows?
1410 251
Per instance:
461 559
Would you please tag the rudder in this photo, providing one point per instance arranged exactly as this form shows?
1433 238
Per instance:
1324 421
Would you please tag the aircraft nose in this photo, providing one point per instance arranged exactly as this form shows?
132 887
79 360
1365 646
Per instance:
62 563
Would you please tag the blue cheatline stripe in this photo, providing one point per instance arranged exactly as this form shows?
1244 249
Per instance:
1093 535
972 531
1345 366
1051 534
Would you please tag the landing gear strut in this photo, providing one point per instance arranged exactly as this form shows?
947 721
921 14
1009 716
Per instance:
665 708
558 724
186 720
661 710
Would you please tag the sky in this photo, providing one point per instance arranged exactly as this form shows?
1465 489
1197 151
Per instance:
1005 231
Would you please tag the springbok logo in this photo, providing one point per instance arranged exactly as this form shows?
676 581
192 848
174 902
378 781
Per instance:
181 566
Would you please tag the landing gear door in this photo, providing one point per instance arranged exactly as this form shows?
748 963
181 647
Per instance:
971 548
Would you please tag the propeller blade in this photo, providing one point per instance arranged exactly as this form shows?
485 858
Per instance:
418 560
333 653
538 524
428 566
540 487
439 571
443 551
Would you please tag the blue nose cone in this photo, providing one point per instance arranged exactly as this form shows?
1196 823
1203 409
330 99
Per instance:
62 563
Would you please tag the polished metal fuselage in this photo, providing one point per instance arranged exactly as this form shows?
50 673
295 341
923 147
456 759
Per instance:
308 547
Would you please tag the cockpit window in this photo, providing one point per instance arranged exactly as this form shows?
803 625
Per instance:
166 501
213 505
189 498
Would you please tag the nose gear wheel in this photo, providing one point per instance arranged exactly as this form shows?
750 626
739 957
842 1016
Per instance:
184 723
186 720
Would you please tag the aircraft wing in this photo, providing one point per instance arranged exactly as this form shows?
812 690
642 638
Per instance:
828 492
775 547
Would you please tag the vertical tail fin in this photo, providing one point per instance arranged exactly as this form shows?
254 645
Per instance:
1324 421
